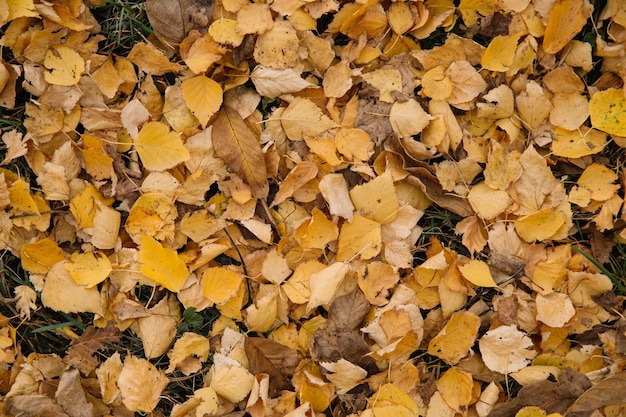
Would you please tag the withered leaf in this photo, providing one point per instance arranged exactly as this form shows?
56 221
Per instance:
552 397
80 353
34 405
172 20
239 148
274 359
71 396
606 392
341 338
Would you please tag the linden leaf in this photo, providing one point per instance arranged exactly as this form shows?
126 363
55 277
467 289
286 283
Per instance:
608 111
477 272
239 148
88 269
159 148
567 18
506 349
162 265
454 341
203 97
65 66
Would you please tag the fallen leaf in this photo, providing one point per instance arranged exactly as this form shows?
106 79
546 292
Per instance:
161 264
478 273
607 110
203 97
159 148
505 349
65 66
239 148
140 384
454 341
276 360
567 18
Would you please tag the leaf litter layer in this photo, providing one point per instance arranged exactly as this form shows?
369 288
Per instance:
314 208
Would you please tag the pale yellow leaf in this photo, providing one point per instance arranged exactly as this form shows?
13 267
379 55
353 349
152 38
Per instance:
224 31
385 81
506 349
334 189
408 118
232 382
362 237
158 330
600 181
141 384
345 375
487 202
376 199
61 293
278 47
303 118
108 373
324 284
272 83
554 309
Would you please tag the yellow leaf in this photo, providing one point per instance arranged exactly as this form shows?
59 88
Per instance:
376 281
108 373
297 287
478 273
454 341
554 309
408 118
88 269
400 17
500 53
487 202
239 148
140 384
254 18
317 392
20 8
38 257
303 118
608 111
224 31
385 81
278 47
540 226
567 18
600 181
158 330
162 265
317 232
377 198
24 206
159 148
203 97
232 382
578 143
152 214
472 10
324 284
390 394
455 387
151 60
300 175
106 226
361 238
186 346
61 293
345 375
334 189
65 66
261 315
220 284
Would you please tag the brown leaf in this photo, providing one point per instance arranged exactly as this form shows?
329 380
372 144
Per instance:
239 147
34 405
172 20
274 359
428 183
606 392
71 397
341 338
552 397
80 353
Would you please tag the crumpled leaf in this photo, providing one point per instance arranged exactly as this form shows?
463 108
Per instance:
172 20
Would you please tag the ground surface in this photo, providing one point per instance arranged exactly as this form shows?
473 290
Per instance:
312 208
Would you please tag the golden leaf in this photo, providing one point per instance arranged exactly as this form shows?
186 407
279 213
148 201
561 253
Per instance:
203 97
455 387
88 269
361 237
220 284
162 265
454 341
38 257
477 272
65 66
500 53
239 148
567 18
61 293
151 60
159 148
608 111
